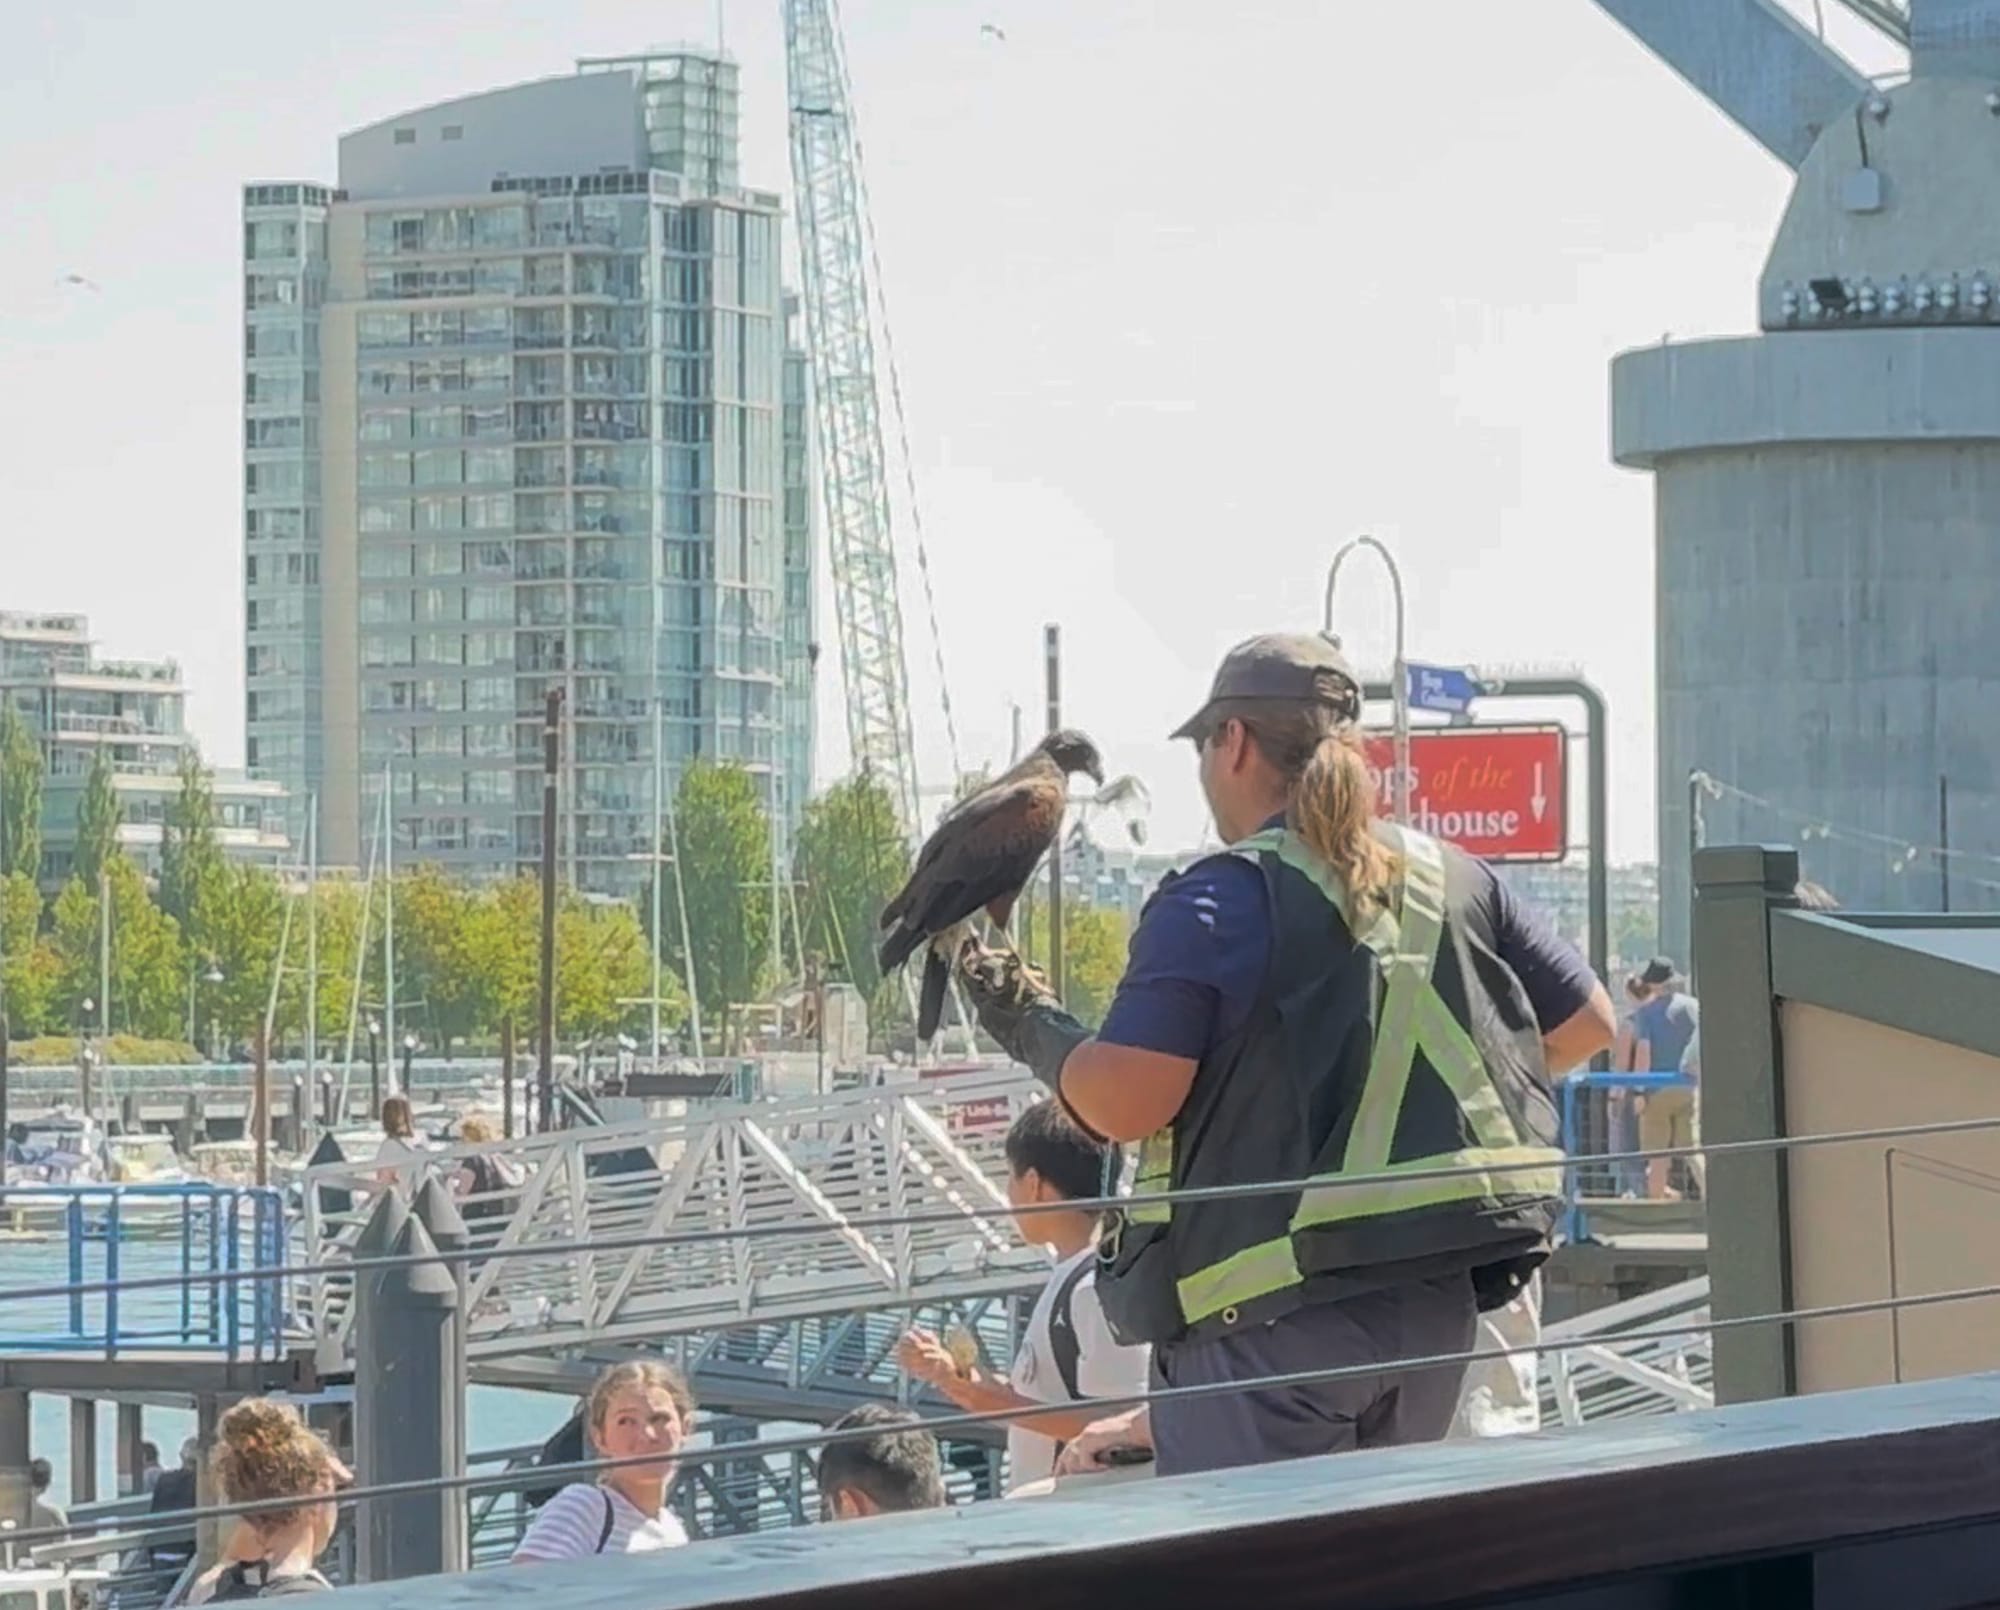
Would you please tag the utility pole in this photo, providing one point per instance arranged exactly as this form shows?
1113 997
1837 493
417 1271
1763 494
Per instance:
545 1093
1052 669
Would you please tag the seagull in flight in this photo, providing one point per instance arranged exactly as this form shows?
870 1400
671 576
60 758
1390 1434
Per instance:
79 280
995 30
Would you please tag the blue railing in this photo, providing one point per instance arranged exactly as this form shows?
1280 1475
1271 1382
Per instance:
89 1235
1588 1131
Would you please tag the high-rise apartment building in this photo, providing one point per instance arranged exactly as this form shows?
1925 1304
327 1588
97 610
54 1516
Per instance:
132 713
540 439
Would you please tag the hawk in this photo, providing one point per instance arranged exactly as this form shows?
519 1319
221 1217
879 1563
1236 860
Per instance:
980 858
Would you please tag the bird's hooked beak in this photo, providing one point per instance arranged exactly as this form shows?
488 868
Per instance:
1095 772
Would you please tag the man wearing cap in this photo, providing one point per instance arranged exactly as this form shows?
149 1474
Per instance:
1333 1001
1662 1028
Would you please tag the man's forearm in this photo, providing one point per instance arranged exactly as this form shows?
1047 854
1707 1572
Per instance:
982 1394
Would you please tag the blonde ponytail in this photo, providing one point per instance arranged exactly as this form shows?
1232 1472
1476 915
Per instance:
1333 810
1330 793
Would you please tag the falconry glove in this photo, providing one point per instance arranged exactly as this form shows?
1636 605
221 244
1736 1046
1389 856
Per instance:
1020 1011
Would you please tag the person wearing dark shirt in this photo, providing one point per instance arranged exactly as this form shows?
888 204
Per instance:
1331 997
1662 1029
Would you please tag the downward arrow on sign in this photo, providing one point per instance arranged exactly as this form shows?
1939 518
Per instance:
1539 801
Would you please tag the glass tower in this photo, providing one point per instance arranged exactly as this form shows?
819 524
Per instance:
553 447
284 284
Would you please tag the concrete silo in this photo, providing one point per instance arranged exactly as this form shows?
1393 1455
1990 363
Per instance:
1828 491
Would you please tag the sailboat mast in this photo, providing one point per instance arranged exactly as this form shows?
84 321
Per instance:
389 924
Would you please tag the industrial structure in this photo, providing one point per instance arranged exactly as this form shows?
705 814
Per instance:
81 706
514 421
1827 489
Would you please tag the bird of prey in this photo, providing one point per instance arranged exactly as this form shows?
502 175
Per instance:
994 30
979 858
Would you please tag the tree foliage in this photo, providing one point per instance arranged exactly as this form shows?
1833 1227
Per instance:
147 984
851 859
236 925
725 867
27 964
20 796
603 966
97 818
1095 941
189 851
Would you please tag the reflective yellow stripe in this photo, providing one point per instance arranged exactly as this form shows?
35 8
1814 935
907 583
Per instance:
1243 1277
1270 1266
1154 1173
1514 1171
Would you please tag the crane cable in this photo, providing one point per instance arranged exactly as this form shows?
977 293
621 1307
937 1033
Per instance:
896 398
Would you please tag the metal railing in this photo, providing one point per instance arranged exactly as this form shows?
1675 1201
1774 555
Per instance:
1602 1167
194 1230
815 1166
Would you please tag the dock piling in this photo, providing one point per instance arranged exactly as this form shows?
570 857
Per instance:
409 1408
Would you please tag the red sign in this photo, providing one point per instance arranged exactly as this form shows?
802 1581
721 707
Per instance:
972 1115
1496 792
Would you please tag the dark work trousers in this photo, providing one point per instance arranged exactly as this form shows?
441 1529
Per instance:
1375 1410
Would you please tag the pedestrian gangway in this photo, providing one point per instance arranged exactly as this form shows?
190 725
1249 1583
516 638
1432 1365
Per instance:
731 1217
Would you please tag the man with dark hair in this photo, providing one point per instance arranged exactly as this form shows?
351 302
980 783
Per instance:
895 1470
41 1513
1662 1029
1067 1354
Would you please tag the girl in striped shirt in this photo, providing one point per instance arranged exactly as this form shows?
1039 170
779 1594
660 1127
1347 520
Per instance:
634 1410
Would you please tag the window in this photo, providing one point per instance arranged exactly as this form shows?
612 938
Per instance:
406 136
452 131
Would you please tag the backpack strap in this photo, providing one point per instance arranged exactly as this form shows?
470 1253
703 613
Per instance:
610 1520
1063 1345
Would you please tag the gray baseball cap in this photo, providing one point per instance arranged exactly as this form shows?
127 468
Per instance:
1284 667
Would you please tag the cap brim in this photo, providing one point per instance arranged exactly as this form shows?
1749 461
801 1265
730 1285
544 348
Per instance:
1192 727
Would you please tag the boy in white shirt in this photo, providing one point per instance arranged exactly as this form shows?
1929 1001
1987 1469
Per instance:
1068 1353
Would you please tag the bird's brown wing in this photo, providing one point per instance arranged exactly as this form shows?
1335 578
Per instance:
985 852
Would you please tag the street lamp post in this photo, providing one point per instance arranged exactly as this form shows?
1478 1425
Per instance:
409 1060
374 1067
1399 789
211 978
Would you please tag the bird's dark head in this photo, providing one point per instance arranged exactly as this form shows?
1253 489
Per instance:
1073 752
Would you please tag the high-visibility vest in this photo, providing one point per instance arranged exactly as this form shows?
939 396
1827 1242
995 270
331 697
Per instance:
1398 1070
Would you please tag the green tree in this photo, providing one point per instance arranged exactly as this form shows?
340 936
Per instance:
725 865
26 975
20 796
505 949
602 966
851 858
188 848
236 922
148 984
434 960
97 818
1095 941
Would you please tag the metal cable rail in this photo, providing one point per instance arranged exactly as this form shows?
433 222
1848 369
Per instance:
542 1475
803 1228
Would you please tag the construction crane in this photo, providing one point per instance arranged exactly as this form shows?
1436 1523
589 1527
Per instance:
840 342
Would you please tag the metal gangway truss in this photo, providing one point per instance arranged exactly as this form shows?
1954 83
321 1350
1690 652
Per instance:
722 1217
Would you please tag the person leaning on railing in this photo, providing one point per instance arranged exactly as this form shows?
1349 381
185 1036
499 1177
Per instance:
635 1410
265 1452
1330 997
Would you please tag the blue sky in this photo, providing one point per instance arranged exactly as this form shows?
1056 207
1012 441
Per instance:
1184 295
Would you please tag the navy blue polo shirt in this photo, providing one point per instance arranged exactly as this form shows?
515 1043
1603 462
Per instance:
1198 955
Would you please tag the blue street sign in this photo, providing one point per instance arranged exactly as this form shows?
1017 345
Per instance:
1447 689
